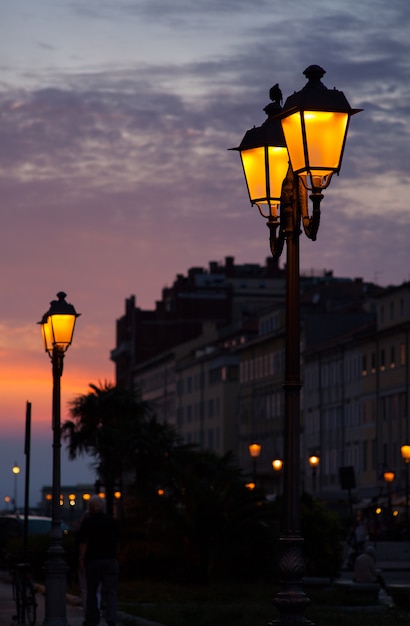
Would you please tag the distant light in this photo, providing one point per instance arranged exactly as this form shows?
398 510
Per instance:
254 450
277 464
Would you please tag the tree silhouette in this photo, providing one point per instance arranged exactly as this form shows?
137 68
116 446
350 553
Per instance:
109 424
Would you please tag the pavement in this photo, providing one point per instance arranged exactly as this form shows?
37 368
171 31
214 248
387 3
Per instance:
393 572
74 611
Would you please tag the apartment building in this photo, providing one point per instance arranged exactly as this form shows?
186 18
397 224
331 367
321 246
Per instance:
356 397
223 386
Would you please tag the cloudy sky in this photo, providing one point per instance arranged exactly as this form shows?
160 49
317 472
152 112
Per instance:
115 119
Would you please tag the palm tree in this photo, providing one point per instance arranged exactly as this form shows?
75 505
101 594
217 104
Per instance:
107 423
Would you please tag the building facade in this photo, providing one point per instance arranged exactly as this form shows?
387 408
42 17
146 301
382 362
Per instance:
222 387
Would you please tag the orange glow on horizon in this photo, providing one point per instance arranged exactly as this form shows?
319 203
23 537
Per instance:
33 383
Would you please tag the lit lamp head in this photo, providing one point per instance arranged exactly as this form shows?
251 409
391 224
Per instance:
314 461
388 476
254 450
265 160
277 465
315 122
405 452
57 325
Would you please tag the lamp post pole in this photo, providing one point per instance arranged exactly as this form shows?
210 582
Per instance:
57 328
298 148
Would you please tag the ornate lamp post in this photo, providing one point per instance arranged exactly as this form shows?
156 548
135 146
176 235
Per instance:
405 453
314 461
57 326
254 452
297 149
16 471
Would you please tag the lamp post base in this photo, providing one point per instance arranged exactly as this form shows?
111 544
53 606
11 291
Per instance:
291 601
55 589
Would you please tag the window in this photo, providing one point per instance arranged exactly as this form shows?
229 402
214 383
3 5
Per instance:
215 374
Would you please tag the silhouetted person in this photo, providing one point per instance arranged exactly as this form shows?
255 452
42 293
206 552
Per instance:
98 538
365 568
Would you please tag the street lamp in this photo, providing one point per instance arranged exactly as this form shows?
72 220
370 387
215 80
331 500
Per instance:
254 452
277 465
405 453
389 477
57 326
297 149
314 461
16 471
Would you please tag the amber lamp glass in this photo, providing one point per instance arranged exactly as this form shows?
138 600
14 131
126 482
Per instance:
265 162
405 452
254 450
277 464
265 168
315 141
388 476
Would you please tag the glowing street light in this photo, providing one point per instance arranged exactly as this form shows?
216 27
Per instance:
298 148
254 453
405 453
314 461
16 471
57 326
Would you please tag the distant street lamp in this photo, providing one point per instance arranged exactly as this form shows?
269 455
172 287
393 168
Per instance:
277 465
16 471
314 461
389 477
405 453
57 327
254 452
298 148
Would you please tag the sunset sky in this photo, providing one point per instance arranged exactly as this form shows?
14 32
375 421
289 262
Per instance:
115 119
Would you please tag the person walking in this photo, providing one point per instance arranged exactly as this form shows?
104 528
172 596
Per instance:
98 552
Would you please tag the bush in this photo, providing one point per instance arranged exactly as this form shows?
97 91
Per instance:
322 531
